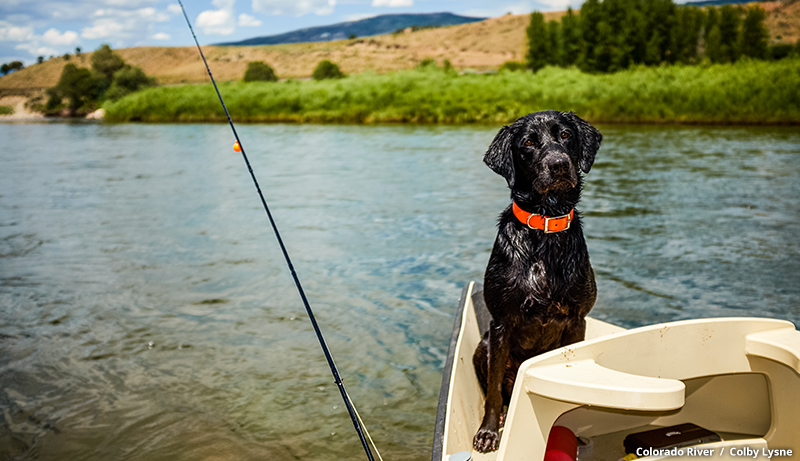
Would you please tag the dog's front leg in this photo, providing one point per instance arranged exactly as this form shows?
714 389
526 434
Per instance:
488 438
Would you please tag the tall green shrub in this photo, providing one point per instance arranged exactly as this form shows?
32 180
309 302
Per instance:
326 70
259 71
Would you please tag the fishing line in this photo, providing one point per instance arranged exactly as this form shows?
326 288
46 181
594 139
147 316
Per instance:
350 407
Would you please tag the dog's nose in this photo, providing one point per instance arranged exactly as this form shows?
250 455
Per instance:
557 165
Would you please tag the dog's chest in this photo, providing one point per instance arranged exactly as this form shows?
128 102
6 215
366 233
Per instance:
542 270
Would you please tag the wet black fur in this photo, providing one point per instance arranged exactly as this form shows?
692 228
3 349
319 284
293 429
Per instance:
538 287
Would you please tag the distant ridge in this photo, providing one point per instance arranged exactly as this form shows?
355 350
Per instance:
376 25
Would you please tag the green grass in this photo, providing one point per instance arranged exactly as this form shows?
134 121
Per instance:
6 110
744 92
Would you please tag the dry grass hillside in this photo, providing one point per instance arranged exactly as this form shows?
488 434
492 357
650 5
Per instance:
481 45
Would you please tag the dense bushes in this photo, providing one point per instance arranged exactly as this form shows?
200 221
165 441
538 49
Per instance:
128 79
747 91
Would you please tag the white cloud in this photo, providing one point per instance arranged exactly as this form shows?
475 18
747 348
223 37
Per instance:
358 17
105 28
123 24
174 8
245 20
522 7
294 7
36 50
218 22
558 5
12 33
54 37
393 3
161 36
151 14
32 43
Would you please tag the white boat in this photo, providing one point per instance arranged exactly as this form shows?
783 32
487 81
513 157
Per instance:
736 377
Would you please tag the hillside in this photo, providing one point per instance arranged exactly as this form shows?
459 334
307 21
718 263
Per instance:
483 45
479 45
376 25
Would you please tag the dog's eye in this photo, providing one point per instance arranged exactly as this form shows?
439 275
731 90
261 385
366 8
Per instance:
564 135
529 143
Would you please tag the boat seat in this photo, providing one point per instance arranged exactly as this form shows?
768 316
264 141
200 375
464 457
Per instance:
643 369
588 383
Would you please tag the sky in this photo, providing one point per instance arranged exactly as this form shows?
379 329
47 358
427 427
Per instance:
32 28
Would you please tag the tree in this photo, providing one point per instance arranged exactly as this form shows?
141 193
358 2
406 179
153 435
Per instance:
105 62
554 46
729 19
11 66
590 19
755 36
259 71
688 27
40 60
714 44
78 51
660 23
537 42
711 38
77 85
617 34
326 70
571 38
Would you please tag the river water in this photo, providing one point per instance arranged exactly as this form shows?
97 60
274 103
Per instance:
146 312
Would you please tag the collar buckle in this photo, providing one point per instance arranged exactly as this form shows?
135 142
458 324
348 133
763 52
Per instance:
548 219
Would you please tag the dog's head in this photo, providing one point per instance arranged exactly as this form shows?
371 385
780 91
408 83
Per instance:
542 152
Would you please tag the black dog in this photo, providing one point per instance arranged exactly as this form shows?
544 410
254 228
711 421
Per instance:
539 284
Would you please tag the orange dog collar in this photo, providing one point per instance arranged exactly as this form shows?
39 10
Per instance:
547 224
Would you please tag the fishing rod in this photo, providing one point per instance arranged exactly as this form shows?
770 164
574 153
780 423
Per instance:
357 423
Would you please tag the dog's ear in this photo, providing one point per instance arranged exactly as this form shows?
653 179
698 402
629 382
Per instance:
499 157
590 140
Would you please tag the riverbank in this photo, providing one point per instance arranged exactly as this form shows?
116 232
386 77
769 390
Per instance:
746 92
12 108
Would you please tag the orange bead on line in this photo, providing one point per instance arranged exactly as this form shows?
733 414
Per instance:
237 147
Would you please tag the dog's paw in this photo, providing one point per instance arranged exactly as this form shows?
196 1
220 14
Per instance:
486 440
